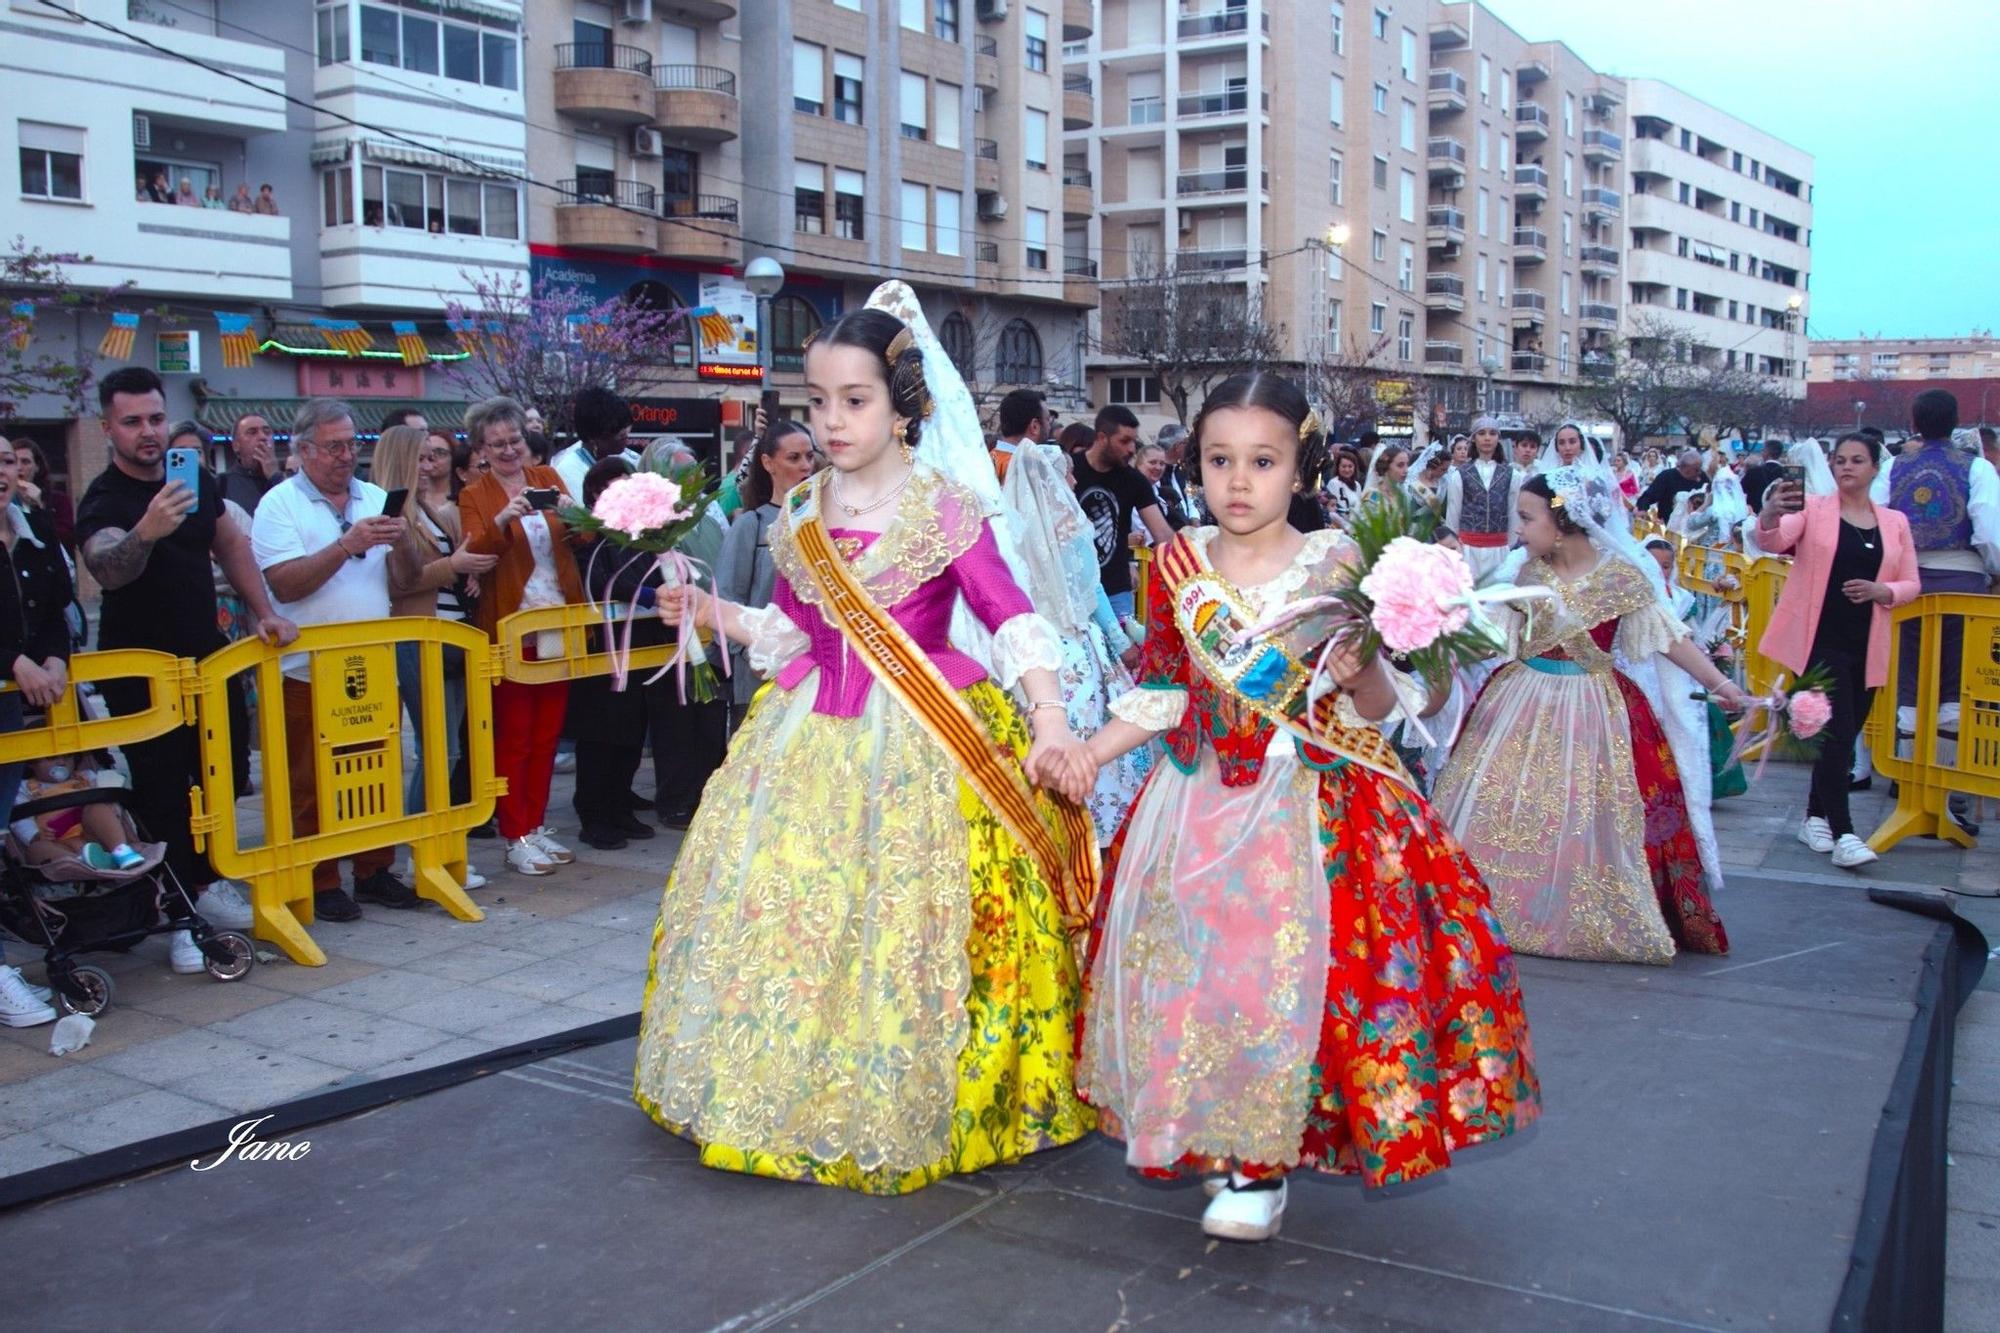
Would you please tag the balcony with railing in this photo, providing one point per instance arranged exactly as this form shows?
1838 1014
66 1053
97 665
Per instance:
697 103
1077 20
1602 146
1447 91
604 82
1233 22
1531 184
1531 71
1448 35
1599 261
1206 106
986 252
985 165
1595 363
1531 245
1443 352
1530 309
1598 315
1444 226
1531 121
1079 102
615 215
1224 180
1446 156
1205 259
1079 280
986 62
701 227
1529 363
1603 200
1444 291
1079 199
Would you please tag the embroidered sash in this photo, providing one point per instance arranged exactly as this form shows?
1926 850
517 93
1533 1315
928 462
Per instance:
1268 675
1067 863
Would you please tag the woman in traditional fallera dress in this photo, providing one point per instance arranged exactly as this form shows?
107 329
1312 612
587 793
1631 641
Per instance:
1580 785
860 975
1292 964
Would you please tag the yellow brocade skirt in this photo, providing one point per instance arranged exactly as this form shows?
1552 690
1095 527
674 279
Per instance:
857 977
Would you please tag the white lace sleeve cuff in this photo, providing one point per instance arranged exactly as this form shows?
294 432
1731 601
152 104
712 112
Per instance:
774 639
1024 643
1651 630
1153 709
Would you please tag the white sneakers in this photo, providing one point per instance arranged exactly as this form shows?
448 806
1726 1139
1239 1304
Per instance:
20 1006
185 955
1816 834
1850 852
525 858
1236 1213
473 880
544 840
224 906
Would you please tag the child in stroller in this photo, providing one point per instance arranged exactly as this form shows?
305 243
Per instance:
77 876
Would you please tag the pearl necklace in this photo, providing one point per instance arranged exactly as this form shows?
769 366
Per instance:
856 511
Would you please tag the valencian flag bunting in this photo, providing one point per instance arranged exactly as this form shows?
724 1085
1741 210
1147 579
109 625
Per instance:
23 331
714 325
239 341
117 344
467 333
344 335
410 343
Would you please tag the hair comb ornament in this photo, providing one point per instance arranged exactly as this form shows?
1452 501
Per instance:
898 345
1310 426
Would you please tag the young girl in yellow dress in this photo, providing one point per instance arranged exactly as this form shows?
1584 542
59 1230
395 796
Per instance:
860 975
1292 964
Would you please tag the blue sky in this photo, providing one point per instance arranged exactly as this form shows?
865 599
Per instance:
1898 111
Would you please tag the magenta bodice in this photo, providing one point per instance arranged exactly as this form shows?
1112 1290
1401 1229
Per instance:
979 574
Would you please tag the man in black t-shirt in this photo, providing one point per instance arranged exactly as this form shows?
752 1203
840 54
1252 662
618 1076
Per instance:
1110 490
1757 478
149 543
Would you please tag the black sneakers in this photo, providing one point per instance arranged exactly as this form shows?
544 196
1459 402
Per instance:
632 826
384 888
333 905
604 837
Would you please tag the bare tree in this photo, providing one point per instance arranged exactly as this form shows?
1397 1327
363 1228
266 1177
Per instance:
1341 384
1648 384
33 284
1732 400
1186 329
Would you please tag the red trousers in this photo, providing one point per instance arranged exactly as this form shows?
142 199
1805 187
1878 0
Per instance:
527 723
301 752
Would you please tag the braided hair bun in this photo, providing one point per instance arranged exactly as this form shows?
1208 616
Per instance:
902 361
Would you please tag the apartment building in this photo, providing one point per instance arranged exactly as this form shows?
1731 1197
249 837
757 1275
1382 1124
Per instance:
1976 356
1721 233
395 167
1469 177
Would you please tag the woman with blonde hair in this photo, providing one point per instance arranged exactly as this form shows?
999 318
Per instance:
426 568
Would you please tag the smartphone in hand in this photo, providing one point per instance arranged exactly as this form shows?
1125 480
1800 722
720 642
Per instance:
184 466
392 504
542 497
1792 474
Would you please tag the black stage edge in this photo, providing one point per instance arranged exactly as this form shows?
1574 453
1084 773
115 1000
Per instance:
1895 1280
50 1182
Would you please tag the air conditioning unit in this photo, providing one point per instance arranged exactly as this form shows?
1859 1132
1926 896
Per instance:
992 205
637 11
992 11
142 130
648 142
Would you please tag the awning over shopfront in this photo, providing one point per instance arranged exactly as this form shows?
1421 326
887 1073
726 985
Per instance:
220 415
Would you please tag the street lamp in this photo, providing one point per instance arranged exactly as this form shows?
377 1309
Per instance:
765 277
1491 365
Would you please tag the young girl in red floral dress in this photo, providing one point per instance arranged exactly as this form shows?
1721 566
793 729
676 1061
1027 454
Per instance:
1292 963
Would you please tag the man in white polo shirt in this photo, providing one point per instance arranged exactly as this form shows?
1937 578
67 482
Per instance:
322 542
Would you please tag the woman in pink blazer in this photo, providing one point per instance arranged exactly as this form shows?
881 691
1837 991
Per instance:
1853 561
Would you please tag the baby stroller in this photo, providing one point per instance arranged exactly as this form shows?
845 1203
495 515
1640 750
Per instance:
70 907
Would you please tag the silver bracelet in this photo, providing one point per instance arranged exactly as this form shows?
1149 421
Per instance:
1047 703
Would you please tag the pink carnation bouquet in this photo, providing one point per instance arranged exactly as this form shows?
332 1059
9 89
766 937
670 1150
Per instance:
649 513
1805 710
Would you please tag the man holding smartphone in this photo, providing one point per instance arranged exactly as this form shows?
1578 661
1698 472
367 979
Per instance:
148 542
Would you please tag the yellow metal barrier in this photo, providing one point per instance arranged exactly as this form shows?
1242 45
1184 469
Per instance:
357 713
1923 782
66 731
1763 584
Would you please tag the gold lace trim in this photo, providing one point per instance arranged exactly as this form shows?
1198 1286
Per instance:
1611 590
936 522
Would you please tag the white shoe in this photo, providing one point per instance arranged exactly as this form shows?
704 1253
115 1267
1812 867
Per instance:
524 856
1816 834
544 839
186 956
565 761
19 1006
473 880
1239 1214
224 906
1850 852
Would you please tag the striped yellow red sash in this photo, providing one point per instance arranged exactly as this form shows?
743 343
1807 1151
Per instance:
1066 856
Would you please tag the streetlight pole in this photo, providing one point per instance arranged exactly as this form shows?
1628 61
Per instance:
765 277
